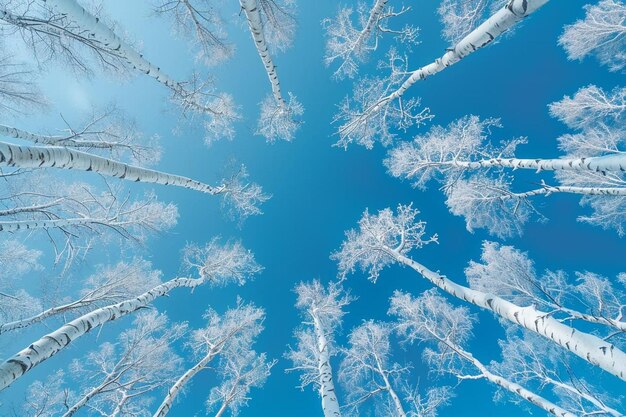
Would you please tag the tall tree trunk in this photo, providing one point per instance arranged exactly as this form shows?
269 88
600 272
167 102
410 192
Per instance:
102 34
583 394
70 140
607 163
503 20
510 386
589 347
19 324
251 9
18 225
394 396
63 158
167 403
372 22
330 405
50 344
85 398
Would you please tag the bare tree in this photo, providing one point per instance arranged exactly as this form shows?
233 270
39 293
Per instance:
240 372
107 132
323 311
108 285
532 361
601 33
368 371
350 44
593 167
242 197
272 25
74 215
511 274
226 335
62 29
214 264
140 362
387 238
200 22
17 89
430 318
378 105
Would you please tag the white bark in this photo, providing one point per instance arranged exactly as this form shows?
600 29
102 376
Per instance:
251 9
589 347
330 405
50 344
503 20
63 158
19 324
607 163
167 403
99 32
510 386
372 21
16 133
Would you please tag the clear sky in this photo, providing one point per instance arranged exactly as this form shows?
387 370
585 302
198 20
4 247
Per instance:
320 191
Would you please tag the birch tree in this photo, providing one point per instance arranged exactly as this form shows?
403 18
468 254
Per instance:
379 105
108 285
510 273
240 372
213 264
272 25
140 362
225 335
63 29
387 238
240 196
472 171
531 361
74 215
323 311
200 22
431 319
350 43
368 371
602 33
106 132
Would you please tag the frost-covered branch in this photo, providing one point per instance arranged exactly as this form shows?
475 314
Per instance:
386 238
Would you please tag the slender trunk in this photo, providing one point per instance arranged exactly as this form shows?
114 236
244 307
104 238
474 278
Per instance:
18 225
593 400
50 344
251 8
227 400
607 163
589 347
19 324
372 22
63 158
120 404
503 20
167 403
396 400
510 386
30 209
330 405
85 398
71 141
102 34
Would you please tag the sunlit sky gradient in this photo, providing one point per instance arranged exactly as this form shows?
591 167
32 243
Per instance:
320 191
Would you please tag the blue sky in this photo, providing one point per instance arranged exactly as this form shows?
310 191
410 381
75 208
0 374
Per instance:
320 191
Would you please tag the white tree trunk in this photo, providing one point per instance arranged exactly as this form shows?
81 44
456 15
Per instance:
589 347
167 403
396 400
18 225
581 393
85 398
63 158
607 163
71 141
99 32
510 386
330 405
251 9
19 324
50 344
483 35
372 22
